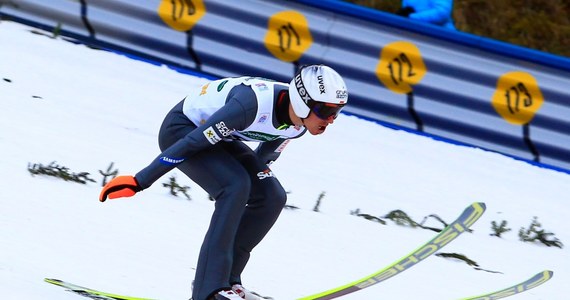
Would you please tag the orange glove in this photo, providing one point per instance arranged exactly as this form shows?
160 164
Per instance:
121 186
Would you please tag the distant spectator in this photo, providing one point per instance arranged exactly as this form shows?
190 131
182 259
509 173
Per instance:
437 12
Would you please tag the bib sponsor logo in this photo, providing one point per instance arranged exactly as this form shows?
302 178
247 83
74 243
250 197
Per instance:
221 85
259 136
204 89
263 118
262 86
211 135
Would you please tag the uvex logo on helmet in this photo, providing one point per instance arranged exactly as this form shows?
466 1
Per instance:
321 84
301 88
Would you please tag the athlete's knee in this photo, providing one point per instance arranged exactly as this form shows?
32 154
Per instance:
282 197
277 197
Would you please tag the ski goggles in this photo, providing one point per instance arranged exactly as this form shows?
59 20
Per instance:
325 110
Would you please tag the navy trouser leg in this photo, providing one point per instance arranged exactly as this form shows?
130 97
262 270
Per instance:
266 201
225 179
228 172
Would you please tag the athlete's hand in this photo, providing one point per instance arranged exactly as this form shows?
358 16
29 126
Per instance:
121 186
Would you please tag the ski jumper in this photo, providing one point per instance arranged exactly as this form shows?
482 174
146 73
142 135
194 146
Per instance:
203 137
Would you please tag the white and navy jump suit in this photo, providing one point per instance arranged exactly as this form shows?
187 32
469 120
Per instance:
202 136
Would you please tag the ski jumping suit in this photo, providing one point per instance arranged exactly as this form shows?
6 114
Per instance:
202 137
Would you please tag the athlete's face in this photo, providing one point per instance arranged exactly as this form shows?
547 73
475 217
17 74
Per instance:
316 125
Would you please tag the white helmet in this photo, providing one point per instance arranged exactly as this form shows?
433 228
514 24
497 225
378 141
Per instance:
316 83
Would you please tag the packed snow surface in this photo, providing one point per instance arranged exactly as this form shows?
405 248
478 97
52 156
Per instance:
83 109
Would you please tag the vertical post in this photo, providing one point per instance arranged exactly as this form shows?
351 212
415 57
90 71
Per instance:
413 113
85 19
529 143
190 49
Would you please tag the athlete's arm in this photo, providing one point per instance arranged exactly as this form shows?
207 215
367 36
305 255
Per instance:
237 114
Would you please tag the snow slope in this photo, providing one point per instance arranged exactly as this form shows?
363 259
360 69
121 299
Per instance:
85 108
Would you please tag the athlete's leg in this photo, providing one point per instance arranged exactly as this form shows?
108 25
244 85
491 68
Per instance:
266 201
225 179
220 174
